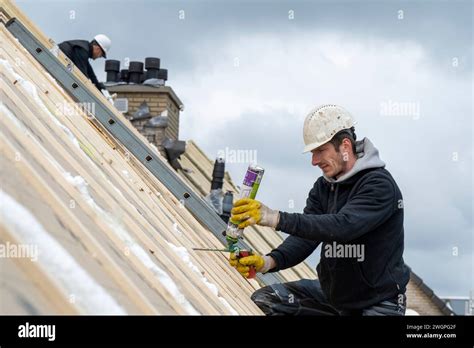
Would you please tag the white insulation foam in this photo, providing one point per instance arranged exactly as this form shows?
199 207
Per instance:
88 294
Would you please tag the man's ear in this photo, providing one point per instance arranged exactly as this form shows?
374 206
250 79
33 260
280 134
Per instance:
345 149
347 143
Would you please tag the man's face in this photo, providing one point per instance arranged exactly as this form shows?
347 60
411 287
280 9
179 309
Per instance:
331 162
96 52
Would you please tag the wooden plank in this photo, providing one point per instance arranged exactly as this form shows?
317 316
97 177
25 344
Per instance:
45 282
20 296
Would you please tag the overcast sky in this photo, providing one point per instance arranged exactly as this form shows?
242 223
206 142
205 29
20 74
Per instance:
248 72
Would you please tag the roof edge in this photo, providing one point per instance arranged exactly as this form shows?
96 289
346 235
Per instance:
442 306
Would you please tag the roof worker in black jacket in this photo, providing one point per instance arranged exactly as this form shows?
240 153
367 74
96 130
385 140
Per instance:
355 210
79 51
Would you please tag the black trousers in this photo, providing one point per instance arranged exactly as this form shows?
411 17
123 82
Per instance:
305 297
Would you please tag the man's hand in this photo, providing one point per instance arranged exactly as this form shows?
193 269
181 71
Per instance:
248 212
261 263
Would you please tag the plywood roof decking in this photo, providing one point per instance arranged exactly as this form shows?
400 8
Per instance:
116 221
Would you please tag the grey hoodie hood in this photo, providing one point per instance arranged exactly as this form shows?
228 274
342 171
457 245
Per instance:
367 158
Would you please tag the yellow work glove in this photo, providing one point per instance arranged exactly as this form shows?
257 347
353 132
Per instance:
248 212
261 263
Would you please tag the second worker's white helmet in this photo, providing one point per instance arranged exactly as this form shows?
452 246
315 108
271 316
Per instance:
104 42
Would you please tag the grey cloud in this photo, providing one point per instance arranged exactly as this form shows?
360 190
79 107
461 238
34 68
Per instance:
152 28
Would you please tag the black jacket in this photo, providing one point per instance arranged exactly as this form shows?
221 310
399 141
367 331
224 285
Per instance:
365 208
79 51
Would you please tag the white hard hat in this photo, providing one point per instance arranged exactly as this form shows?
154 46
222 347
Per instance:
322 123
104 43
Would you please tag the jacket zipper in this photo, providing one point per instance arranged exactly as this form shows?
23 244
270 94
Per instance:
334 206
331 211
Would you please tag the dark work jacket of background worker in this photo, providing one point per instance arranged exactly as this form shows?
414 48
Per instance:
79 51
362 207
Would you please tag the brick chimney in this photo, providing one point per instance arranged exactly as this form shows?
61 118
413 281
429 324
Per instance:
158 99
